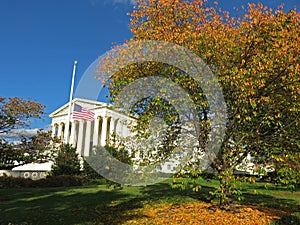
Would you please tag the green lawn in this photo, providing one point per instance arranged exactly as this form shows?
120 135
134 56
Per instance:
94 204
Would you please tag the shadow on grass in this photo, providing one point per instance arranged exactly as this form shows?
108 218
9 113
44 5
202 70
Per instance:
99 205
263 185
68 206
288 219
288 205
271 196
163 192
87 205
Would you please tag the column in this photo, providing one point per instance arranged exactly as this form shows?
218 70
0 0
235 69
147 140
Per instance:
120 128
60 127
103 131
73 132
96 132
53 130
66 132
87 144
125 129
80 137
112 126
111 131
63 131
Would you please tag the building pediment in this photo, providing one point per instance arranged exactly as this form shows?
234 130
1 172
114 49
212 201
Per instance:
88 104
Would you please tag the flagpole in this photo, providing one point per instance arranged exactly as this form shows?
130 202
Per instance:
70 103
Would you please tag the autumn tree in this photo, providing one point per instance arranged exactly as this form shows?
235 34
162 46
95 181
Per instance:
16 113
256 59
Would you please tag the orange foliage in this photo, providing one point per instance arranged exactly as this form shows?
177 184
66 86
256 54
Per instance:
256 59
206 214
17 112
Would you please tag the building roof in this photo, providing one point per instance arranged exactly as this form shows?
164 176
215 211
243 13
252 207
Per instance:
34 167
89 104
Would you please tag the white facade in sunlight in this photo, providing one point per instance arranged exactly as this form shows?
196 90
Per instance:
85 134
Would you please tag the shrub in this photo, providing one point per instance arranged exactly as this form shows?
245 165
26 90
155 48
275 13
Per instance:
51 181
61 181
66 162
14 182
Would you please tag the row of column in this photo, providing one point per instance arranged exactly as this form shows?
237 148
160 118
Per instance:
85 134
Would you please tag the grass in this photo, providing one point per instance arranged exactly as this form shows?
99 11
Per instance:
95 204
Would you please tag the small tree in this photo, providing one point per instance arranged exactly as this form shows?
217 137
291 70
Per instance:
66 162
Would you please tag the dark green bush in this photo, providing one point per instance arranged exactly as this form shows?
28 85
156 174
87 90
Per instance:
15 182
67 161
61 181
51 181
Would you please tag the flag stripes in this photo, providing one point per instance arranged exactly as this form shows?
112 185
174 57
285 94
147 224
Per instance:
81 113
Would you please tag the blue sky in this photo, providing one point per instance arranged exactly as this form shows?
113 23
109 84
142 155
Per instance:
40 39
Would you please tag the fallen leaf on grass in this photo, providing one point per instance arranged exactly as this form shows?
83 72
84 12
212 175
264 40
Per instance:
206 214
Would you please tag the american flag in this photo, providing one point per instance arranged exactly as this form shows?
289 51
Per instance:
81 113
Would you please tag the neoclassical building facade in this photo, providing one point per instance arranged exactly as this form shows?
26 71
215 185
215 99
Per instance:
84 134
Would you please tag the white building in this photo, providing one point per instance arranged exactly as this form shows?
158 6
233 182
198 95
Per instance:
84 134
